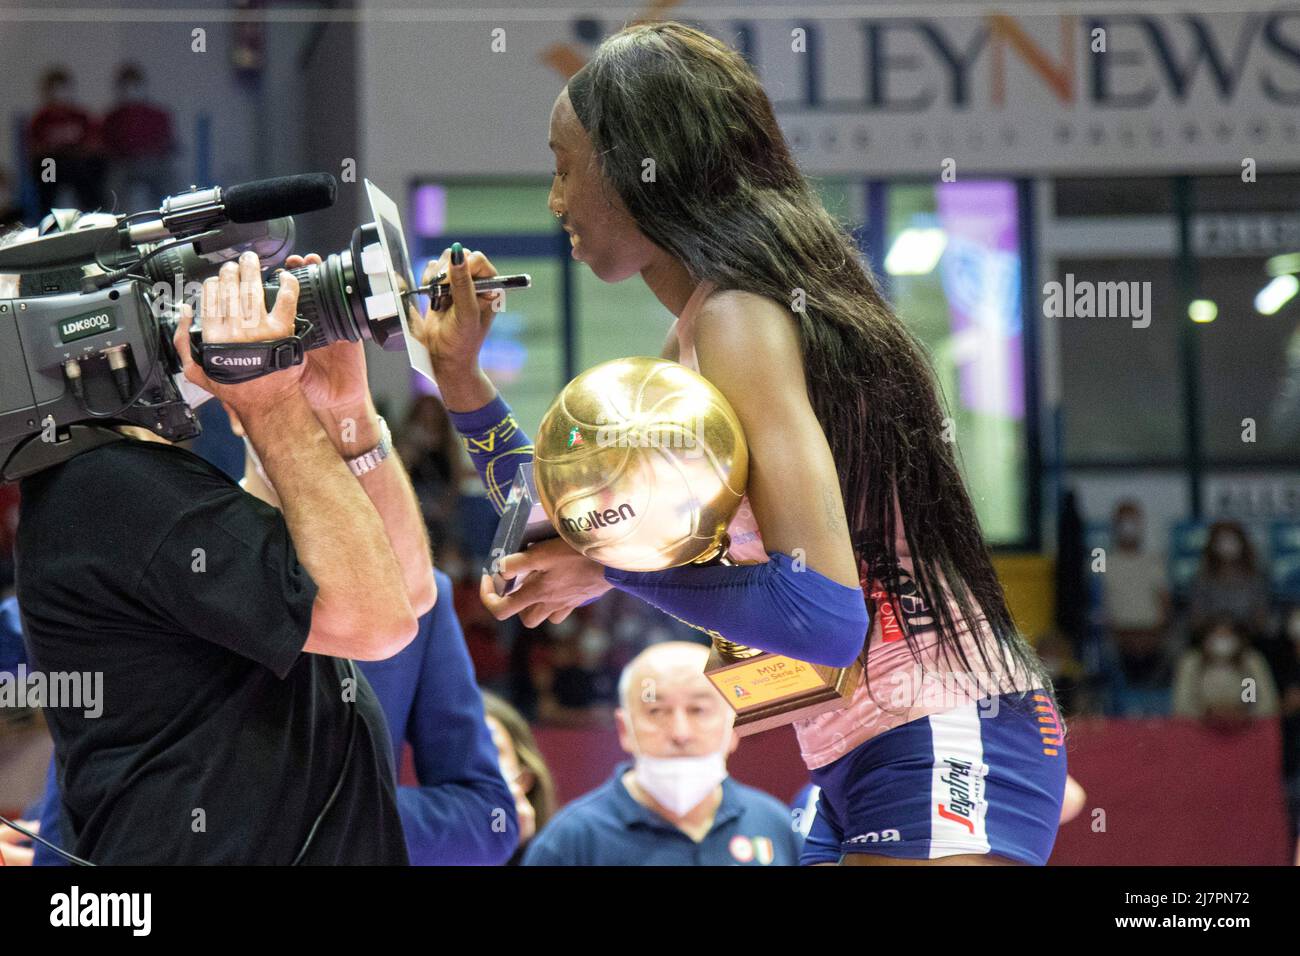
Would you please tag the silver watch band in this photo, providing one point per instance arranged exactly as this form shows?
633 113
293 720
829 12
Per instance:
375 457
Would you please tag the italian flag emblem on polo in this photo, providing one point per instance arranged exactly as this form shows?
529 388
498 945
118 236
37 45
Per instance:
575 437
750 849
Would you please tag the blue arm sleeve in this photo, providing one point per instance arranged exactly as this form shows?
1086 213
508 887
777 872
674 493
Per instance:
771 606
496 444
462 812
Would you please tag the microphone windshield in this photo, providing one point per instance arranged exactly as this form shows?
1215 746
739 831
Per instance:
283 196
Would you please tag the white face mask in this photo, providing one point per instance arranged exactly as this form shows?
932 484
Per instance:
681 783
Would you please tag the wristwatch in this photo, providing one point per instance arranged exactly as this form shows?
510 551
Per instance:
375 457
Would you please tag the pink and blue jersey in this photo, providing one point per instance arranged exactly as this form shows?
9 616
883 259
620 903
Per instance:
901 686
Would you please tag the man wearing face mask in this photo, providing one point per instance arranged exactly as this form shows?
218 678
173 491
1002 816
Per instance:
674 804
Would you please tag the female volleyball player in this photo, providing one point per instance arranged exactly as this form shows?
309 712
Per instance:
951 750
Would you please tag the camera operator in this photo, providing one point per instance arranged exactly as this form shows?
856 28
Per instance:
233 728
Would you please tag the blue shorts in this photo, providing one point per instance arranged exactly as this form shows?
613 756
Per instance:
986 777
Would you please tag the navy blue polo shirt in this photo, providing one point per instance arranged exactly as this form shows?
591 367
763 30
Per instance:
607 827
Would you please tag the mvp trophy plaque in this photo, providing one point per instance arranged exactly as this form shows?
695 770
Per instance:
768 690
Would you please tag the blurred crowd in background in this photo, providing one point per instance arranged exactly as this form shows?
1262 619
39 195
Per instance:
1218 643
121 160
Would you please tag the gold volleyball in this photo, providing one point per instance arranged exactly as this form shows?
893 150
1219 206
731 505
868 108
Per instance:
641 464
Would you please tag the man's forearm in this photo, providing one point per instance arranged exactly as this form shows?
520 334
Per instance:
354 430
336 531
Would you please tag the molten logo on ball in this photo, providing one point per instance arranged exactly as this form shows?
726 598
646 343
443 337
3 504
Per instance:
597 519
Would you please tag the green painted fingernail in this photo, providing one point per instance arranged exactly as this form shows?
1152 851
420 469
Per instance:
457 254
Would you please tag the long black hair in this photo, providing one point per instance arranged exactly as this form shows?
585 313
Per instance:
728 200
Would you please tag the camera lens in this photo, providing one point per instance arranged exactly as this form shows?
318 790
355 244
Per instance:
342 302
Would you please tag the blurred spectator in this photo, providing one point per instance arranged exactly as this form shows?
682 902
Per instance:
1211 682
574 688
1136 599
64 132
139 144
523 767
1229 582
430 451
674 805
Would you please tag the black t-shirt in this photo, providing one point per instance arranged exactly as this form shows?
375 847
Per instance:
219 740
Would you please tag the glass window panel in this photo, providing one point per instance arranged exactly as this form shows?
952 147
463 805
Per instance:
953 258
616 320
1249 367
1121 387
1270 192
500 207
524 353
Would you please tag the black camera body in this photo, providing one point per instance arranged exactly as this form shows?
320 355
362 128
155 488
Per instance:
74 359
88 342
